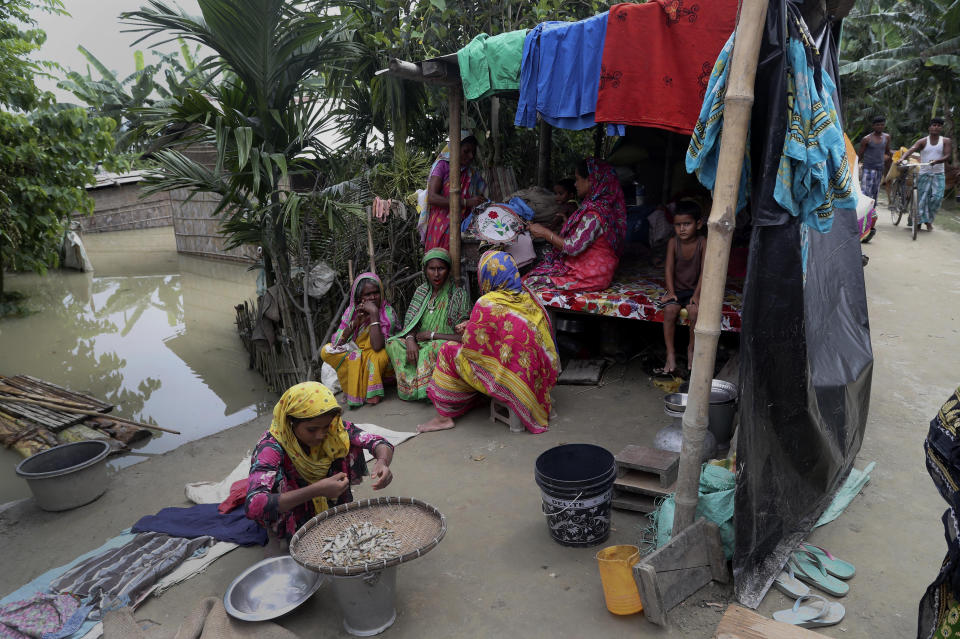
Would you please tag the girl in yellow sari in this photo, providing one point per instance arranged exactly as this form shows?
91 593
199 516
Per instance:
357 351
308 460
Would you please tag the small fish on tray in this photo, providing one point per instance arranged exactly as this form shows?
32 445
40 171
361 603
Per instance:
360 543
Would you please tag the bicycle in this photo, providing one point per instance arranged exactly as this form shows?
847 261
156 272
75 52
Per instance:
899 199
912 205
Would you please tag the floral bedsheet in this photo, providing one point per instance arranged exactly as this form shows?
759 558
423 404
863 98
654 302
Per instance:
635 294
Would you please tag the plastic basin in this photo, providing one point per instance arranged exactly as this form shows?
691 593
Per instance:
67 476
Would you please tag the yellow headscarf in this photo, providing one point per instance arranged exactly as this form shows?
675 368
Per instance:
304 401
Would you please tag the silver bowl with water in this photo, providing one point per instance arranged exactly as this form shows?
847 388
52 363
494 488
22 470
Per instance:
271 588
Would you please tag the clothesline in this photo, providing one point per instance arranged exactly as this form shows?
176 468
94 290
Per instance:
574 75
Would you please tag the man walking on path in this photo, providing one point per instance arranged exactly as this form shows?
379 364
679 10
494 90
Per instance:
934 152
874 154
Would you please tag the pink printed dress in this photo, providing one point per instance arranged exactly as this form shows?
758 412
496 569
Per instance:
272 473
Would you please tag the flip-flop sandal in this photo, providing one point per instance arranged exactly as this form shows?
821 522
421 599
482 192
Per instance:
817 615
787 583
808 569
837 567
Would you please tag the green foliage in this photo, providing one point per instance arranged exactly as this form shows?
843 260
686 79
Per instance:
900 59
47 151
122 100
258 112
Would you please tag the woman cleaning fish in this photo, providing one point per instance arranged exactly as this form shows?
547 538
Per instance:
307 462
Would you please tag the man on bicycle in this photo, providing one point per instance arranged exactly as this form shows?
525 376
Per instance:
874 153
934 152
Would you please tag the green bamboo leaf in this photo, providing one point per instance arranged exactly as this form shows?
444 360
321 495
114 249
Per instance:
281 161
244 137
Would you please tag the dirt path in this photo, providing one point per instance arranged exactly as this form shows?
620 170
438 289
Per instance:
498 573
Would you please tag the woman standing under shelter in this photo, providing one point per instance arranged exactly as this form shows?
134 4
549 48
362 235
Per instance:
587 250
308 460
507 353
357 351
435 227
437 306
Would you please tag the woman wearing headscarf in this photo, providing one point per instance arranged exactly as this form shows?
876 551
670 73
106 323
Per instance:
436 308
308 460
940 607
506 352
434 223
357 351
587 250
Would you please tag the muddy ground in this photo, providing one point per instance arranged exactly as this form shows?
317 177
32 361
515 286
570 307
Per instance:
498 573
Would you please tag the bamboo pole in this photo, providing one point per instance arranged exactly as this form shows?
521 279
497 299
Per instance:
544 148
80 411
455 93
738 103
495 129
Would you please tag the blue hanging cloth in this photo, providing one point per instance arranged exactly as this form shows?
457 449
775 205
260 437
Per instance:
560 73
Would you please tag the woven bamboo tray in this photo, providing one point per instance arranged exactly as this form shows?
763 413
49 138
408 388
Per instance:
416 524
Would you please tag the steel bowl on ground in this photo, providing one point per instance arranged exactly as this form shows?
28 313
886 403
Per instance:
271 588
67 476
676 402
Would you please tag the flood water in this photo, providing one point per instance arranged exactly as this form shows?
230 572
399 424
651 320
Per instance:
151 331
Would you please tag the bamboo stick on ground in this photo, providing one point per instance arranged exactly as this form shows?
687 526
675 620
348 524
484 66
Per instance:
80 411
738 103
10 390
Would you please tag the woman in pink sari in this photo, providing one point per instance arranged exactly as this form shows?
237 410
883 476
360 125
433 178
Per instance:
507 353
587 250
435 227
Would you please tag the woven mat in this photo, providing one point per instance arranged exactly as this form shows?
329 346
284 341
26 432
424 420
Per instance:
413 525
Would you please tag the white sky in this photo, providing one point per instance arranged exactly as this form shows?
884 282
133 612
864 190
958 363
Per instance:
95 24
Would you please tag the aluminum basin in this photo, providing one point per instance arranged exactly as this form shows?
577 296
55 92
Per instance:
271 588
68 475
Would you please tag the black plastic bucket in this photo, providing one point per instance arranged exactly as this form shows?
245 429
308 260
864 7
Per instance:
576 484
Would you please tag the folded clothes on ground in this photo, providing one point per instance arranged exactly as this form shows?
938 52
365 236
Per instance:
123 576
202 520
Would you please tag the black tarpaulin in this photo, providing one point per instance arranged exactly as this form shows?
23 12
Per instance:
806 358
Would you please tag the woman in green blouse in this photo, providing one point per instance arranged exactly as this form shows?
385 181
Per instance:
435 310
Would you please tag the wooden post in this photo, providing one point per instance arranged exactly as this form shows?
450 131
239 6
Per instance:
495 129
736 120
370 249
455 93
543 155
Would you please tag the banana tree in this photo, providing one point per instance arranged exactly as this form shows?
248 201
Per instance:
901 59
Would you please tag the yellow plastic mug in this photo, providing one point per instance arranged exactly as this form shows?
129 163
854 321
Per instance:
616 574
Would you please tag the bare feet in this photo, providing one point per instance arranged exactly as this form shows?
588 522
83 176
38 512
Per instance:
437 423
373 401
669 367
